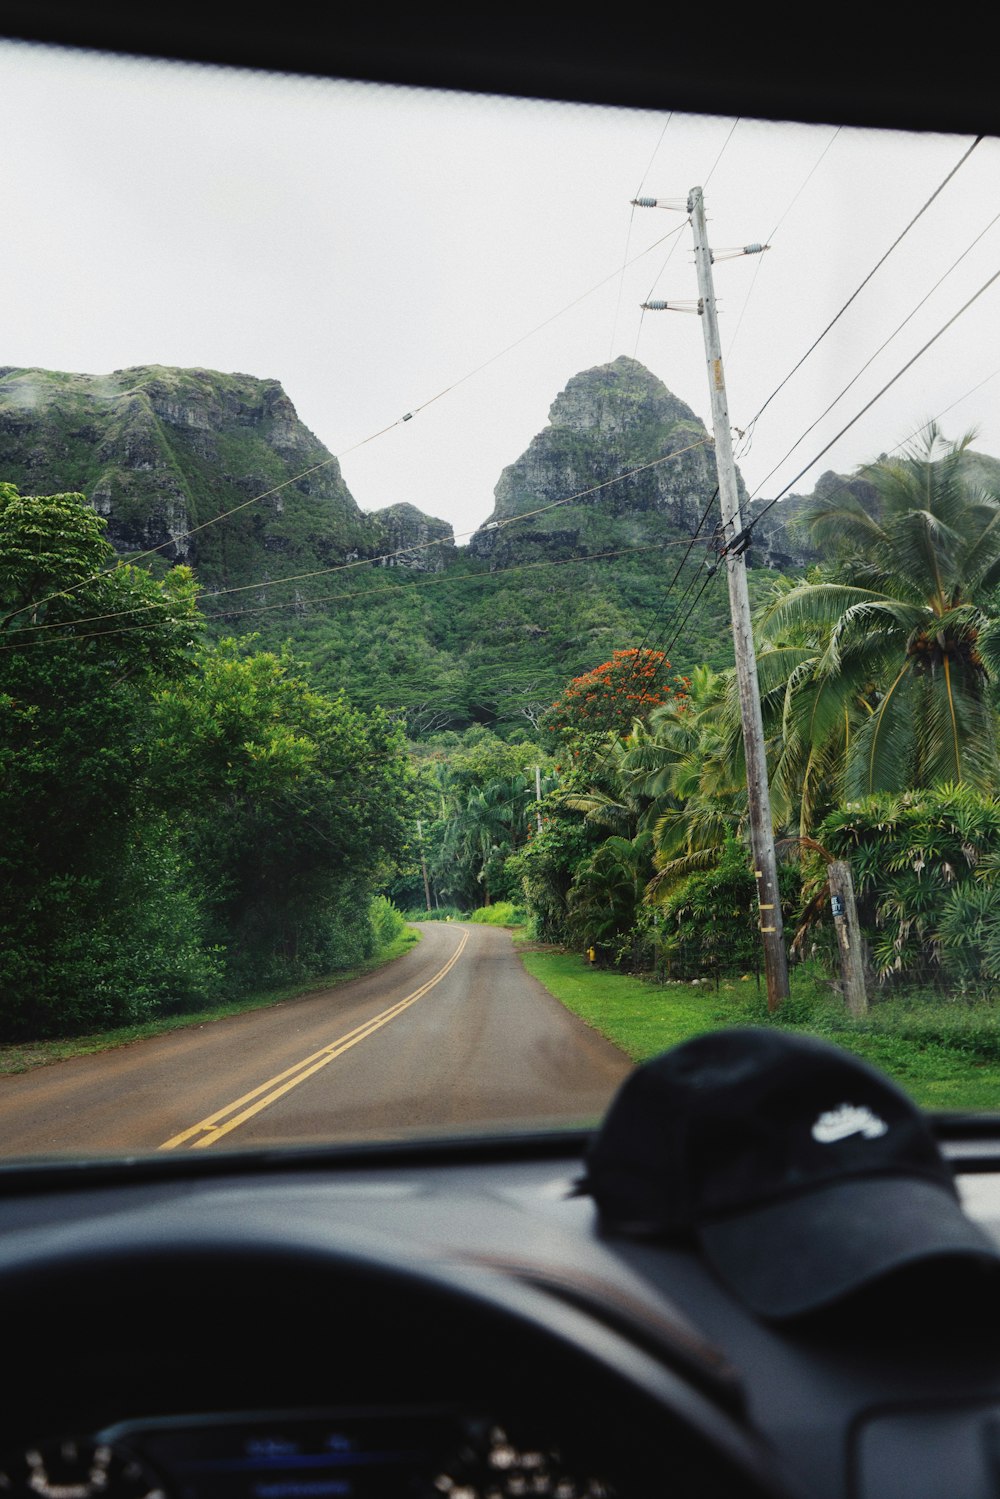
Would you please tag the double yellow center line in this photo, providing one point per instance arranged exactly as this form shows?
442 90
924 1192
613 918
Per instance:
234 1114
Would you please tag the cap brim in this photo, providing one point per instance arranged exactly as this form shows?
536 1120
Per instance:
808 1252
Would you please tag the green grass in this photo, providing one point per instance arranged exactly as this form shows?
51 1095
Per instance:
23 1057
945 1053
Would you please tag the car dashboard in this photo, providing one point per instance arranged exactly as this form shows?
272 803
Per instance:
450 1320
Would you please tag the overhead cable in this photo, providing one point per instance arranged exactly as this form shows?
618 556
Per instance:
882 346
876 267
877 397
335 457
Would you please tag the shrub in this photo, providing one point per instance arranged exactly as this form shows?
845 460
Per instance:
387 923
924 868
439 913
710 918
501 913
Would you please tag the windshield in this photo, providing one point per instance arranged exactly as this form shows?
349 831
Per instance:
417 512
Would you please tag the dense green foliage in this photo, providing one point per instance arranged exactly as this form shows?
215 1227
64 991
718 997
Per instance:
471 646
880 670
187 813
175 817
501 913
876 663
925 868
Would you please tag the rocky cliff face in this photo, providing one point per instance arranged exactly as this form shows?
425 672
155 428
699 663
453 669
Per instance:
410 539
610 420
160 452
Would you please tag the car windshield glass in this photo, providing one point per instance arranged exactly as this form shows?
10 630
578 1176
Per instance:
417 512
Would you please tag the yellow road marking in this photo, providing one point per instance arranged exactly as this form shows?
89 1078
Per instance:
234 1114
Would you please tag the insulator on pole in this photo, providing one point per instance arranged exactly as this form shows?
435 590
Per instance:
676 205
689 306
755 249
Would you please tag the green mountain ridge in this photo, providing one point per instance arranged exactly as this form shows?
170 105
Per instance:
589 527
163 453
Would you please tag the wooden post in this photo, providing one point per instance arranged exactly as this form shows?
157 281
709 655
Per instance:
423 863
758 794
850 945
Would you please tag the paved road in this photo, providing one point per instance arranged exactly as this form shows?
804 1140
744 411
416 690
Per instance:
452 1037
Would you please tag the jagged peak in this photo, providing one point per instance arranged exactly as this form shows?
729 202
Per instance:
614 397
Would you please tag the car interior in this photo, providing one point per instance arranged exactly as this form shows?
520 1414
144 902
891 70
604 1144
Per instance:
458 1316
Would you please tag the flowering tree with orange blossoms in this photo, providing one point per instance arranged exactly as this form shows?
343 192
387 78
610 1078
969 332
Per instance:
615 694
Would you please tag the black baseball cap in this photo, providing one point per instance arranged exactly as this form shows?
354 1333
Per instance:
802 1173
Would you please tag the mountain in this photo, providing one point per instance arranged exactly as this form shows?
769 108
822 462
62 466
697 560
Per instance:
590 527
162 453
613 420
215 470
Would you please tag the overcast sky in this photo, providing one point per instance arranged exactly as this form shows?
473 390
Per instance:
375 248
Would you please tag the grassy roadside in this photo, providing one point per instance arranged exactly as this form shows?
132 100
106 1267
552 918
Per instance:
29 1054
945 1053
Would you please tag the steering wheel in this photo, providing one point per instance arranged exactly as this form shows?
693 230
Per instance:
212 1315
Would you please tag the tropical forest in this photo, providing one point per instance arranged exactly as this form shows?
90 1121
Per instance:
250 733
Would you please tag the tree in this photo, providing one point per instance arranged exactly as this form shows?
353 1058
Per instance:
98 921
607 892
885 683
614 695
925 866
293 806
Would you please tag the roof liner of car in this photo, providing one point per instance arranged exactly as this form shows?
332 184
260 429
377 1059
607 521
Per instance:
840 67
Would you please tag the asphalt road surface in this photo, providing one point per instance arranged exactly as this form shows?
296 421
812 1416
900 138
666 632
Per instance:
453 1037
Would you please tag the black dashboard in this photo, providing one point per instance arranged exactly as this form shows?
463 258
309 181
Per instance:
451 1321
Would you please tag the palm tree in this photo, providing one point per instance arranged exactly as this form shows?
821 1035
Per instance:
878 665
489 823
608 889
679 778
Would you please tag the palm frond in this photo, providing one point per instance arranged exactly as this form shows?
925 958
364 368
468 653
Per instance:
882 756
956 736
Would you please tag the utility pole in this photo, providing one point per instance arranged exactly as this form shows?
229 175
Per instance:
765 863
538 796
423 863
850 944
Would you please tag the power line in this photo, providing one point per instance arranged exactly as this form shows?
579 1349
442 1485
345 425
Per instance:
362 442
771 237
709 574
399 590
877 266
722 152
882 346
628 236
373 561
652 625
877 397
954 404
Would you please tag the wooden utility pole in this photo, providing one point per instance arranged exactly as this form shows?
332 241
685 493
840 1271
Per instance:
761 829
423 863
850 947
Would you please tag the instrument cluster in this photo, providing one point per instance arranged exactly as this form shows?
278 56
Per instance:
427 1453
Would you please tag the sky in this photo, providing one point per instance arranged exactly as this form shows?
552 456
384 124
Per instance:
384 251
